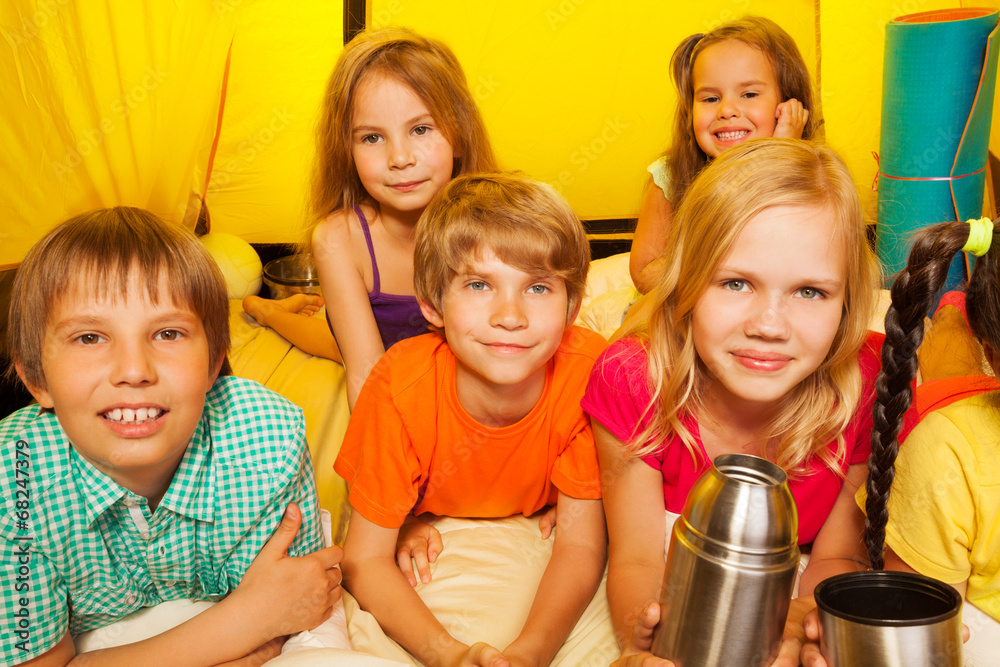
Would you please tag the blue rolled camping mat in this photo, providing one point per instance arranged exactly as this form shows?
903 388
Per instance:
937 103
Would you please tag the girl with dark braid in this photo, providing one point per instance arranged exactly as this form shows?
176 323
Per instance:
942 517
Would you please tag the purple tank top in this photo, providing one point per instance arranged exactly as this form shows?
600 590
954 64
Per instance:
398 316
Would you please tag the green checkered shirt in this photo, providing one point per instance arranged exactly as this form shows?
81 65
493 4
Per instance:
80 552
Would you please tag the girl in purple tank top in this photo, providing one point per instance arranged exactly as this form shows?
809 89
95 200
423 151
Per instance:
398 122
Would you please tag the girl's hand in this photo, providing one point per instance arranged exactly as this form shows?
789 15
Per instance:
636 653
810 656
547 522
795 646
420 543
791 117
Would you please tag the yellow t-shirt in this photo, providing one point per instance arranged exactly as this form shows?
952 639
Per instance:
944 507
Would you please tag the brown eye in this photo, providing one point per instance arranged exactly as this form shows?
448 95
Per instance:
169 334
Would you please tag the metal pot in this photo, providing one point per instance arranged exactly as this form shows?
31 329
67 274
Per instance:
293 274
731 566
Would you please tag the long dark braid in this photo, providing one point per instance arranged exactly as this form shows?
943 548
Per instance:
913 293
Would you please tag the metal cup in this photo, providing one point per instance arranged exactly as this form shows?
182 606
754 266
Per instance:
731 566
889 619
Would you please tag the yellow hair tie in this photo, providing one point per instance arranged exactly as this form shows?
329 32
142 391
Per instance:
980 235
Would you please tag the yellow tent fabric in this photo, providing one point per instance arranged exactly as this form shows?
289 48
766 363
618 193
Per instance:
104 103
578 93
283 53
112 102
108 101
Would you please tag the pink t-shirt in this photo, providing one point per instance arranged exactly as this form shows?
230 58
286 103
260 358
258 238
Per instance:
618 393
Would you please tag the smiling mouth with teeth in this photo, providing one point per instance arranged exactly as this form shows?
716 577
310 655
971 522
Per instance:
732 136
130 416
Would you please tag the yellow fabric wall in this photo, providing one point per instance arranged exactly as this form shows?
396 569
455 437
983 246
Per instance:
283 53
108 101
103 103
578 93
111 102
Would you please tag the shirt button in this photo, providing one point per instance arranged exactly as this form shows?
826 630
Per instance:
144 534
162 550
130 502
130 598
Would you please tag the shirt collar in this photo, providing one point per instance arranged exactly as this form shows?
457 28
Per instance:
190 492
98 490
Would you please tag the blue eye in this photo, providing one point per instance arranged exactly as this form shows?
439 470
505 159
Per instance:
477 285
538 289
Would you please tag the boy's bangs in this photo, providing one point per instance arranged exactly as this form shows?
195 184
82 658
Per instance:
110 283
526 249
105 274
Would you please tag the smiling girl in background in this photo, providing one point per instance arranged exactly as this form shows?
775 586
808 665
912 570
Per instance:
756 342
743 80
398 122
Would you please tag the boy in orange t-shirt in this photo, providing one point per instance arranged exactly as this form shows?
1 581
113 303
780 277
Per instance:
482 418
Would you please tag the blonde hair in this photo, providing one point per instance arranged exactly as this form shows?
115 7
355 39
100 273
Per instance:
430 69
527 225
736 187
686 158
98 253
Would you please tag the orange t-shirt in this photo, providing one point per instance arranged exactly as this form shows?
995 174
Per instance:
411 447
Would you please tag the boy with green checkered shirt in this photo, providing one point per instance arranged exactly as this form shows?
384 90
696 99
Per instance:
143 475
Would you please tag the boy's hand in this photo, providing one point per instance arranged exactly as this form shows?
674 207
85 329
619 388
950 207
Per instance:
482 654
547 522
637 652
421 542
291 594
261 655
791 117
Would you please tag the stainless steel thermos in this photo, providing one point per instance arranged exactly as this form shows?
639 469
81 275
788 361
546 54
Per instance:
731 567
